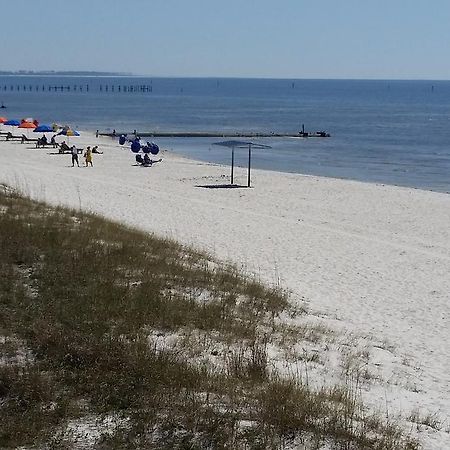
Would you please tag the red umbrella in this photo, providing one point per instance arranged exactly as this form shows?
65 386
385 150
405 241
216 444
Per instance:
3 119
27 125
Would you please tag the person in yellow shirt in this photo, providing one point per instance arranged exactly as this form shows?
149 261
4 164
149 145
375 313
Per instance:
88 157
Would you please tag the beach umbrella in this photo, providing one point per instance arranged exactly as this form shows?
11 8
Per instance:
3 119
151 147
135 146
43 129
28 125
68 132
12 123
154 149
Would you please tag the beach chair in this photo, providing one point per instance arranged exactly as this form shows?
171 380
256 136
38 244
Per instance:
40 143
27 139
10 136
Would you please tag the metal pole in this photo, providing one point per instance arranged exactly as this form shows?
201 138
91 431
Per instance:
232 165
249 163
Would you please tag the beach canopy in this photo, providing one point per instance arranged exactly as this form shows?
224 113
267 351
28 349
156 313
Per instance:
69 132
30 119
43 129
28 125
3 119
12 123
241 144
66 131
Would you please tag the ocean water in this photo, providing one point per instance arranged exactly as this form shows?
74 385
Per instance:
392 132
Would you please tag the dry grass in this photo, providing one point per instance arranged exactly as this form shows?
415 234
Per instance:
85 300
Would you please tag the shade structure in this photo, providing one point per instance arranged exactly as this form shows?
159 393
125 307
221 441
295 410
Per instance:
69 132
3 119
43 129
135 146
241 144
29 125
30 119
151 147
12 123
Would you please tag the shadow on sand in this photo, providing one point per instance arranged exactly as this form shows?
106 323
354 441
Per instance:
221 186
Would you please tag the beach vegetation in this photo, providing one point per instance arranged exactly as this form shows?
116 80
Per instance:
113 338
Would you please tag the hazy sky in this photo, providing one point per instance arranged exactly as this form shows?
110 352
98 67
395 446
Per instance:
242 38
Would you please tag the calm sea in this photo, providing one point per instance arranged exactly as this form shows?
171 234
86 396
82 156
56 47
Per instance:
393 132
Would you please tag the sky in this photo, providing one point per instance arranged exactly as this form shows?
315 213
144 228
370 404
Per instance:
371 39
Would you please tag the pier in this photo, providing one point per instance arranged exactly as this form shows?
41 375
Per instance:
209 134
79 88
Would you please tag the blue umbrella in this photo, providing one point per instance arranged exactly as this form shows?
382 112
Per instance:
154 149
12 123
135 146
151 147
43 129
69 132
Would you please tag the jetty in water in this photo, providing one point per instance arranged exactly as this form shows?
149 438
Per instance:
208 134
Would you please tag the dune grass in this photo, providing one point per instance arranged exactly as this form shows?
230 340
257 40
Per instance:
104 323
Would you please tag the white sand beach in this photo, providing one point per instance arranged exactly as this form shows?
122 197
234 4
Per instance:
370 261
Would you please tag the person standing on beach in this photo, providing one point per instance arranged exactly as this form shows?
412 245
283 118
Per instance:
88 157
74 153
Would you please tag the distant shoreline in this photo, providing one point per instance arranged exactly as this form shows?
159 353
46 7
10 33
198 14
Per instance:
50 73
65 74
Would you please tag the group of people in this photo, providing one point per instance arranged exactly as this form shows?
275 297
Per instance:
87 155
42 141
145 161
